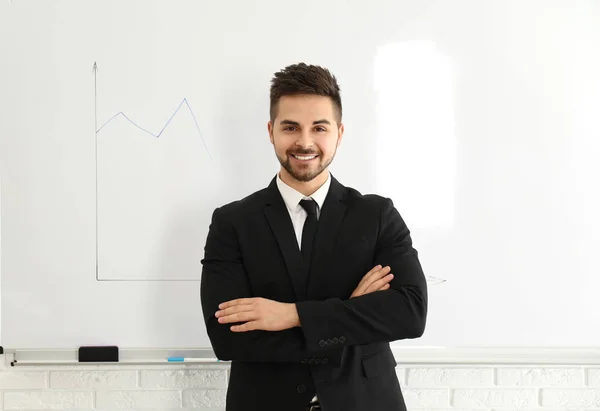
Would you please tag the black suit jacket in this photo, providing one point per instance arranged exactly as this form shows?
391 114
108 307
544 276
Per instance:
341 351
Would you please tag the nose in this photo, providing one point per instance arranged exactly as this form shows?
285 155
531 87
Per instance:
304 140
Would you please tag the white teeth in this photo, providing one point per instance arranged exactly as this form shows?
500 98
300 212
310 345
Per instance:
304 157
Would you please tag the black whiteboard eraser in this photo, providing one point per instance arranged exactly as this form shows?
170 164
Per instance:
107 353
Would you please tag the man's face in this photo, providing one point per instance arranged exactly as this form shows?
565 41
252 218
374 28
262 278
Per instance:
305 135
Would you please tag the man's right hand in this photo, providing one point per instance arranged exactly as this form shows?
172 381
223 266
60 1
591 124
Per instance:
377 279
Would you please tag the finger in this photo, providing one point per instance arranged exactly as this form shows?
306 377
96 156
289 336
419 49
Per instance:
385 287
376 285
239 301
369 273
249 326
385 280
235 309
375 271
373 275
377 274
238 317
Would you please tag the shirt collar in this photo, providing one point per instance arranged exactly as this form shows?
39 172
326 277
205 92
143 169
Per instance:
292 197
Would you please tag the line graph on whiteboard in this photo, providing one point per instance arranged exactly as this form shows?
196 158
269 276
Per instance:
120 113
149 188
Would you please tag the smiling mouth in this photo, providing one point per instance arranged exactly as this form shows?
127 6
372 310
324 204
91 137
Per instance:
304 157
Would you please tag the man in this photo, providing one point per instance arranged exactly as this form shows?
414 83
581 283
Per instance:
297 287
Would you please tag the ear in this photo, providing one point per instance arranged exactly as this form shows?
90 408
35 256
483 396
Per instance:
270 129
340 135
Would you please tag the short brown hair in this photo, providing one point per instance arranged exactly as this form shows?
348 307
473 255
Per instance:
305 79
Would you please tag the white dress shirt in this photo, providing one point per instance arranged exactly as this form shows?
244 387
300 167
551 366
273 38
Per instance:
298 214
292 198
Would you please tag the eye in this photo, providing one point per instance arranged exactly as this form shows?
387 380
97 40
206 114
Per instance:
321 129
289 128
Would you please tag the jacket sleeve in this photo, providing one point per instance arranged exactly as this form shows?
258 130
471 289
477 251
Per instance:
396 313
224 278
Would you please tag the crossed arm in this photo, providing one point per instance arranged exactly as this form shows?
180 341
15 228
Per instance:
271 331
258 313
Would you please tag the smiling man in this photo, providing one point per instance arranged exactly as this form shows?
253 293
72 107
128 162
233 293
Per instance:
306 282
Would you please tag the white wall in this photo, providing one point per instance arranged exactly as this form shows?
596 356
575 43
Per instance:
426 386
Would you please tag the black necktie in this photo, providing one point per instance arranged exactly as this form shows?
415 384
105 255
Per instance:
308 231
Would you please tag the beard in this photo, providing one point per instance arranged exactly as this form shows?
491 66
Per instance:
304 174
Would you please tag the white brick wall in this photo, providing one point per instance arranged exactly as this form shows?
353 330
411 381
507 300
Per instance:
168 387
203 387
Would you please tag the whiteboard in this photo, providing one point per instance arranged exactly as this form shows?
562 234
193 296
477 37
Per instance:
124 124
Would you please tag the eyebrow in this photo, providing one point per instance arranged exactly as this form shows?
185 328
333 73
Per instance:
295 123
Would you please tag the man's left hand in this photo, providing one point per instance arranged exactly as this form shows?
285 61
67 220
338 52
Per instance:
258 314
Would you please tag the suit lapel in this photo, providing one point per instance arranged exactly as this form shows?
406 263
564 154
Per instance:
330 221
283 229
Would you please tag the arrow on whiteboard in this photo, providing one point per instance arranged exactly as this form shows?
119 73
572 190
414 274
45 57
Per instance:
435 280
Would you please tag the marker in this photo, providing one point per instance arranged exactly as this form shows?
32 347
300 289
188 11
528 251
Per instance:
187 359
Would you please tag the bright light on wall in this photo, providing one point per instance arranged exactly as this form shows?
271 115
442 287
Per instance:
416 144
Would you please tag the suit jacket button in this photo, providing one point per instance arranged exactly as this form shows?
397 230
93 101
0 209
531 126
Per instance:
329 341
325 361
322 343
342 339
301 388
317 361
335 340
304 361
